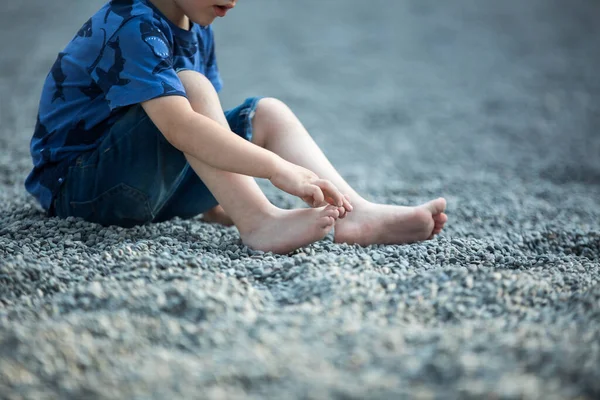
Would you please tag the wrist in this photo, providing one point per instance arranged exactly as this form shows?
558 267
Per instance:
275 165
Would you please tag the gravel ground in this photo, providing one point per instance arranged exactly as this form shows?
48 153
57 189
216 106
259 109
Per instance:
494 105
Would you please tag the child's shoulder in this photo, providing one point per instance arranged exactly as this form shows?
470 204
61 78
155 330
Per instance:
127 24
118 14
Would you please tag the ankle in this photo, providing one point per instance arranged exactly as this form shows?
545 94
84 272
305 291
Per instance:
359 208
253 220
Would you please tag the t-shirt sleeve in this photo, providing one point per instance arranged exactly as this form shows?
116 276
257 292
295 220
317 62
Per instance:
212 70
136 65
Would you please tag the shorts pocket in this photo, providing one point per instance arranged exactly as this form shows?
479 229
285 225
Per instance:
120 205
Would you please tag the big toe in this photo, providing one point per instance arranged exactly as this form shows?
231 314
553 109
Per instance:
436 206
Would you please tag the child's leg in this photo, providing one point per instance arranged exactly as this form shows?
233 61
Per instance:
262 226
277 129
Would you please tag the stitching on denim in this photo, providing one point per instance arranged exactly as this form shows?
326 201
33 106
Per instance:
134 193
170 194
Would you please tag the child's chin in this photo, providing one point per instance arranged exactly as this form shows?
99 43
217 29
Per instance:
205 24
201 20
205 21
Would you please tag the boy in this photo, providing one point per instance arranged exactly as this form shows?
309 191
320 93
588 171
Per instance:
130 130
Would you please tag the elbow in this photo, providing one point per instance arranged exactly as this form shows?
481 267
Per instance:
174 118
176 130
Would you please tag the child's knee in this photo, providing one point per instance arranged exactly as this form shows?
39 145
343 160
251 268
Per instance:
270 107
271 119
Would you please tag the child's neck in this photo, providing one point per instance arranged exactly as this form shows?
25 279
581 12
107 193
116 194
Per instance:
172 12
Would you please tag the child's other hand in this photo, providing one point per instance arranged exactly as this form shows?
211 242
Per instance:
304 183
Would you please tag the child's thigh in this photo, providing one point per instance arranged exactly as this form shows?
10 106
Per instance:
127 179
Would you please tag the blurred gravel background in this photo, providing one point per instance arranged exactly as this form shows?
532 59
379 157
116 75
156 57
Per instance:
494 105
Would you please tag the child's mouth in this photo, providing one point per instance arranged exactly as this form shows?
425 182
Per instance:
221 11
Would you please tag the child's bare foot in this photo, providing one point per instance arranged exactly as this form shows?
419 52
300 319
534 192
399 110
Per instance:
282 231
371 223
217 215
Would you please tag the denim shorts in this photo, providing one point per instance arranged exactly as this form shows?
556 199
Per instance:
135 176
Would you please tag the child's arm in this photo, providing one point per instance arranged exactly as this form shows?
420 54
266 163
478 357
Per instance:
206 140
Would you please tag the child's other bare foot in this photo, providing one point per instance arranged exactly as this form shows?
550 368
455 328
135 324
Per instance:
217 215
282 231
371 223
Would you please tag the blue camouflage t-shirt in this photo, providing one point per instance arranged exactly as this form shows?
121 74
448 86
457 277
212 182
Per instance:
125 54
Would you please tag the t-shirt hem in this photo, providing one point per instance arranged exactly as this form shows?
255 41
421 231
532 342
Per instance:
150 94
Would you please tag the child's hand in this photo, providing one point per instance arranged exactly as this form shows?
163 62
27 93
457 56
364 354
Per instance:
304 183
346 208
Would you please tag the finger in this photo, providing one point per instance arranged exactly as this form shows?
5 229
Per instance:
330 200
332 191
311 201
308 200
347 204
332 211
346 208
317 195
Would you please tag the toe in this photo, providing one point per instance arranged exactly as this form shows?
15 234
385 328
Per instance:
436 206
441 217
332 212
439 221
326 222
